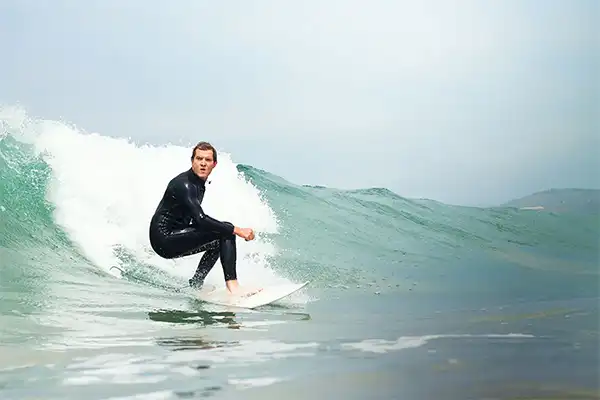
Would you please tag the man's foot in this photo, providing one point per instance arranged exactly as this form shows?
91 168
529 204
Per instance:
235 290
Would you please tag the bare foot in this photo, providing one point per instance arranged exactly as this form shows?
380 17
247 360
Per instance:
234 289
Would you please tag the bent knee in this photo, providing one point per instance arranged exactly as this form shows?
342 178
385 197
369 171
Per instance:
161 250
230 237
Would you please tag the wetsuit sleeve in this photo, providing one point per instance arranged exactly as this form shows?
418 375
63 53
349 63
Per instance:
192 196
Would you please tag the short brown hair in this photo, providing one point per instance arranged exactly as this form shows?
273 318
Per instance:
204 146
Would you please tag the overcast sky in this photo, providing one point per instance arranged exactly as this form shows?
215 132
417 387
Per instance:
467 102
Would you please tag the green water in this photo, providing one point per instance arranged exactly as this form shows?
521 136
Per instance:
408 298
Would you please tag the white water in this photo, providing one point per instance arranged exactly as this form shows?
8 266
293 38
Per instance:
106 189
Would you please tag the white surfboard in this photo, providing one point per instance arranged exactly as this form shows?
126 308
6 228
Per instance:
267 295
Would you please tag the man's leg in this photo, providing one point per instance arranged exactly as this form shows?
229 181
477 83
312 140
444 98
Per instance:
225 248
189 241
208 260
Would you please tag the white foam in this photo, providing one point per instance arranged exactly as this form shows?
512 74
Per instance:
407 342
158 395
106 189
254 382
127 367
246 352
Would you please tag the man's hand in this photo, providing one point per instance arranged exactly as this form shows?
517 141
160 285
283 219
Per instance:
245 233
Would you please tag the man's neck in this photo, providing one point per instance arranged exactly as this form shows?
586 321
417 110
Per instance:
195 178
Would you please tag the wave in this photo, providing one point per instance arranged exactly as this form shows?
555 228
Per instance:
78 201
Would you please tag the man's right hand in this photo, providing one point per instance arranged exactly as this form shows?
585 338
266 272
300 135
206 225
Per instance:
245 233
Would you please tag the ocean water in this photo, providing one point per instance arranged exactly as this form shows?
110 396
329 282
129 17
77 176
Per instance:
409 298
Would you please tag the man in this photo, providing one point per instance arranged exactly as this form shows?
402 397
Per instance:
179 226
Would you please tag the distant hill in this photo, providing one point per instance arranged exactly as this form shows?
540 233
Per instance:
560 200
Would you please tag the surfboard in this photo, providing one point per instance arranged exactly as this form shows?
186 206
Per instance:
268 295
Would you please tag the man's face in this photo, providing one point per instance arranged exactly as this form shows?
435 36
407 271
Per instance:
203 163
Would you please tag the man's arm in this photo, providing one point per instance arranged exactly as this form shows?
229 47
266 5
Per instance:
192 198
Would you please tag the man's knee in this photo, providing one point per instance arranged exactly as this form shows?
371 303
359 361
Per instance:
230 238
173 250
160 249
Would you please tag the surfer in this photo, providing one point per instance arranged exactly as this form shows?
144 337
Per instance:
179 226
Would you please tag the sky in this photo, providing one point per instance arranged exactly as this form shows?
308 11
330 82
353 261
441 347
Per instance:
466 102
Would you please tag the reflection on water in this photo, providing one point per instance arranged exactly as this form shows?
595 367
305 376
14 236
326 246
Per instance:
201 317
228 318
193 343
203 393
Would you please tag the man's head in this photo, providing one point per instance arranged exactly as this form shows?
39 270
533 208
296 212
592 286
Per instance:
204 159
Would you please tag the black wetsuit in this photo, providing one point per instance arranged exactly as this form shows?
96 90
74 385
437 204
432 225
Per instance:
179 227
